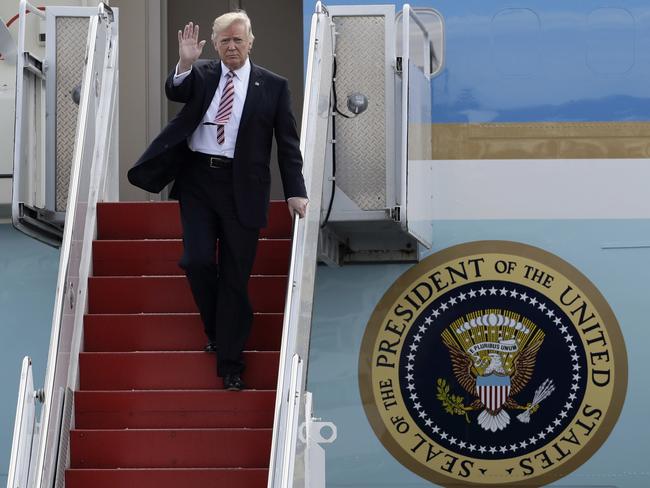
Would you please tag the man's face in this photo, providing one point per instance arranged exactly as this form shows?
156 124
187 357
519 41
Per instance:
233 45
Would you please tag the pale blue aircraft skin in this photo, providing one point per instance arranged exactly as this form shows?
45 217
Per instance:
534 61
28 272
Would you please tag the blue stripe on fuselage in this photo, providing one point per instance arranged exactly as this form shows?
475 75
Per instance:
552 61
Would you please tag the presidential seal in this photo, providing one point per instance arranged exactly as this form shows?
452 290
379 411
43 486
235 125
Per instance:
492 364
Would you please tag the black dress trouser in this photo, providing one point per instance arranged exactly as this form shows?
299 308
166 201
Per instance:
220 289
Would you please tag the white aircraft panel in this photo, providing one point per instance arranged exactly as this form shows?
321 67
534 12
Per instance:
541 189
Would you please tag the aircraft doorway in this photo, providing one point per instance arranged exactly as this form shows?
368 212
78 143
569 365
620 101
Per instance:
278 45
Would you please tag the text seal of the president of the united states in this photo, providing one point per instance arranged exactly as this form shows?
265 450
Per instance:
492 363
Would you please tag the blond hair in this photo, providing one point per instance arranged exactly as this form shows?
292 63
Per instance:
226 20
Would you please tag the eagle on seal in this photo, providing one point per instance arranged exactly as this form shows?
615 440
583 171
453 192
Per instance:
494 416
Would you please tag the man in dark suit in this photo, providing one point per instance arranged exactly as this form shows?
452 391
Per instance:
217 149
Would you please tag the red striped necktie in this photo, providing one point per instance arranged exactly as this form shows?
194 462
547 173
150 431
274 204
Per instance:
225 107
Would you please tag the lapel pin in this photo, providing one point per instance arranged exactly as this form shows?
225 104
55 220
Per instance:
257 83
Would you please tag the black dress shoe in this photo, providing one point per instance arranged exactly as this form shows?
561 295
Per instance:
210 347
233 382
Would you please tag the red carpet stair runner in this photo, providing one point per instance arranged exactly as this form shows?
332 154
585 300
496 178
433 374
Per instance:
150 411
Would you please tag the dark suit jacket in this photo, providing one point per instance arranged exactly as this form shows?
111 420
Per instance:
266 110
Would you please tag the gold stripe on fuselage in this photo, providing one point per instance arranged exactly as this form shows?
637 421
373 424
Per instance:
547 140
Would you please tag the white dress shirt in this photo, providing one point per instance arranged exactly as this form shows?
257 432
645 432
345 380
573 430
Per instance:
204 138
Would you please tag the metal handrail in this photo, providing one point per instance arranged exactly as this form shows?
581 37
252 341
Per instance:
22 10
319 8
294 350
63 287
78 233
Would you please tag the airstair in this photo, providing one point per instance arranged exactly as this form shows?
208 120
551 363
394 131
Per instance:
150 410
130 398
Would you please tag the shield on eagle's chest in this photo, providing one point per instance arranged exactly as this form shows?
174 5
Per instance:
493 390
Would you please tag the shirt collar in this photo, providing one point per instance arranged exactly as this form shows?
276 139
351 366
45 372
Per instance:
242 73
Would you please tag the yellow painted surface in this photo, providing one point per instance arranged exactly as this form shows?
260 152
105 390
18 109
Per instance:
554 140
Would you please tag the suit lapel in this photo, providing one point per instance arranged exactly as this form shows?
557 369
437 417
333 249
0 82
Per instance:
212 77
253 95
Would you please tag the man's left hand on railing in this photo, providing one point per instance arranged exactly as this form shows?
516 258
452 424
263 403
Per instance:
297 205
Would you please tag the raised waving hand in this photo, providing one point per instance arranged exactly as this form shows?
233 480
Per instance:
189 47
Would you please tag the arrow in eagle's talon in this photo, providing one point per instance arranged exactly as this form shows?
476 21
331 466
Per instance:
543 391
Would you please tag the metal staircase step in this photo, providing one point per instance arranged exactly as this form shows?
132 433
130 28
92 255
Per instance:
160 257
166 478
174 409
171 294
179 448
169 332
160 220
169 370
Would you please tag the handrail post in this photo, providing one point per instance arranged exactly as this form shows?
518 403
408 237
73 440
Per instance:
21 448
295 392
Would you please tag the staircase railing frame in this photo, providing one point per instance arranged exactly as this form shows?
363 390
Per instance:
24 427
286 447
94 157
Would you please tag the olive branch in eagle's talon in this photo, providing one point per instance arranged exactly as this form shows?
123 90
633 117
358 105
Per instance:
454 404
